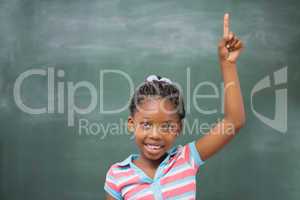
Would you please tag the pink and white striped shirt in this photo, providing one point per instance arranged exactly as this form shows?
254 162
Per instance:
175 178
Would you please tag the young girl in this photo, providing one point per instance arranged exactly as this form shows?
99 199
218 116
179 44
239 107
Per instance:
161 171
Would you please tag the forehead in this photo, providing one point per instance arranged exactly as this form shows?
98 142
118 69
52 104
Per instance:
156 109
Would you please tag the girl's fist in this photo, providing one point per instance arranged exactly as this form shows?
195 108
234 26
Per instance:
230 47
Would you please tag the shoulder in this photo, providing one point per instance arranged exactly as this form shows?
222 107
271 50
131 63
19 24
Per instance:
189 153
115 177
115 168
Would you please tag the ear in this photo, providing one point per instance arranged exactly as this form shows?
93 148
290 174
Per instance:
130 124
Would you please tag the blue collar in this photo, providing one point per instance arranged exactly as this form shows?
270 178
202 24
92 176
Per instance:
130 158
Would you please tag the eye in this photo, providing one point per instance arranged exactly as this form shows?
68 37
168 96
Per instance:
145 125
168 127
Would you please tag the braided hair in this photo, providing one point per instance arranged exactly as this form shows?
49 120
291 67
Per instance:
159 87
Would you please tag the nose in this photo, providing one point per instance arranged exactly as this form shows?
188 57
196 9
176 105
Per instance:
155 134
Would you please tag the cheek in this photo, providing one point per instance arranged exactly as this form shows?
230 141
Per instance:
139 136
170 139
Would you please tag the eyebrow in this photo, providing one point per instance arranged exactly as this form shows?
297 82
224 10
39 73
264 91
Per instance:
168 121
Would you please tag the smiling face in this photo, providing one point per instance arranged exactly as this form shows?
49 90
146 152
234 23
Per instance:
156 126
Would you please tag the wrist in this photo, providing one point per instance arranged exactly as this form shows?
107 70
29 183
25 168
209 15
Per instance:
225 62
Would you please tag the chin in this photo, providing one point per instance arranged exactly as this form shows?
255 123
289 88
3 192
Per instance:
154 157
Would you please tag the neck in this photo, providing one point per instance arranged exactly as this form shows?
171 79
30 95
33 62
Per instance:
152 163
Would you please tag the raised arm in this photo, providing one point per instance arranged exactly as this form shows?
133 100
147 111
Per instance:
229 49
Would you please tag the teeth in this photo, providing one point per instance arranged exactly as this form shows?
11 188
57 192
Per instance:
153 146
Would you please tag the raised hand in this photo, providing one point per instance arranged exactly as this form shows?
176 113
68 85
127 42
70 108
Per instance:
230 47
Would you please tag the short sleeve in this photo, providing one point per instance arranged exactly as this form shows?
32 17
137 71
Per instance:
191 155
111 186
194 154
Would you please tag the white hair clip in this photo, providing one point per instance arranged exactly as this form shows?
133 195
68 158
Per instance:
151 78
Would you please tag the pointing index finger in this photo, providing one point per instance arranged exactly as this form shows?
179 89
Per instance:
226 26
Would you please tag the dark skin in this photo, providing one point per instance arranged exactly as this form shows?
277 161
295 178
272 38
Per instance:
155 122
229 48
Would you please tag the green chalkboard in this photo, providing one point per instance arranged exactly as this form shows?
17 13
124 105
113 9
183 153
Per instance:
66 69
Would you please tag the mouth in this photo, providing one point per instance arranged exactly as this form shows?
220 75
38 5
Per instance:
154 148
